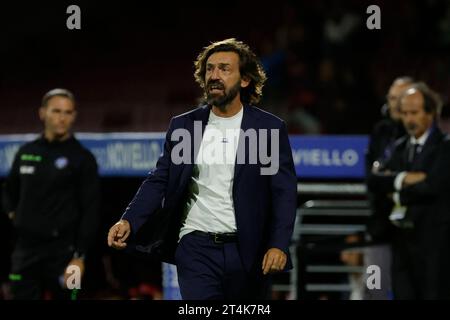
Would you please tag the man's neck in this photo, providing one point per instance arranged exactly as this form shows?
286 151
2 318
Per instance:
230 110
52 137
422 138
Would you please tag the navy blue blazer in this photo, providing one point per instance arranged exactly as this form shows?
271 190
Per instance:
265 205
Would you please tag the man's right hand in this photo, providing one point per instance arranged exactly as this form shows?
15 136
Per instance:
118 234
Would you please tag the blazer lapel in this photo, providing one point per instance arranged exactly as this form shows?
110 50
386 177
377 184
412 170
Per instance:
430 144
249 121
196 127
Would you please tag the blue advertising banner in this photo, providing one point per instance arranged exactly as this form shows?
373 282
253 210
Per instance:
117 154
135 154
329 156
124 154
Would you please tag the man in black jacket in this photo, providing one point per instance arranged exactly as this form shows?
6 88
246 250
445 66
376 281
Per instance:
417 179
51 194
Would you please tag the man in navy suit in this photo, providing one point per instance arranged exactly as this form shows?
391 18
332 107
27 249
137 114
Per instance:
221 202
417 180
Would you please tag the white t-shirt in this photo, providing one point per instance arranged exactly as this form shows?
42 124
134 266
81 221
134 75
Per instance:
210 207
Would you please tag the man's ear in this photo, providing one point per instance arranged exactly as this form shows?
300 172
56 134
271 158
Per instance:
42 113
245 81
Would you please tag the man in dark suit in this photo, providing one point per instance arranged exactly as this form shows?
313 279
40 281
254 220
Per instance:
381 144
215 206
417 178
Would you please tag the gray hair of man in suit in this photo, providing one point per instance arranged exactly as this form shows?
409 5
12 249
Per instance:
432 100
417 119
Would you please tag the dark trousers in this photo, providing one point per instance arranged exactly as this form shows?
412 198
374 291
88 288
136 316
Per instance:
421 262
214 271
37 268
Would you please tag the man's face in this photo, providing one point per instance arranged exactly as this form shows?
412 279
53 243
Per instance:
223 79
58 116
393 98
414 117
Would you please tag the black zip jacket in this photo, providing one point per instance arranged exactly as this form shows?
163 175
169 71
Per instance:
53 188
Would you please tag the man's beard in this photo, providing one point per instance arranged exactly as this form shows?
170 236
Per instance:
224 100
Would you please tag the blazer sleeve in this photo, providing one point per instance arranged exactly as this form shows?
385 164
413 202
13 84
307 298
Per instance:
383 181
284 195
436 182
150 194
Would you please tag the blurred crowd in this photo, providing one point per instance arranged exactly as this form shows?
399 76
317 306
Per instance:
132 69
327 74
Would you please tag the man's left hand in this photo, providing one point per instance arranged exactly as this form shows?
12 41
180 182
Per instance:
414 177
274 261
79 262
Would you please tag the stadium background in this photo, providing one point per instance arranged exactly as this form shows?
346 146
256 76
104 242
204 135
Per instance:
130 67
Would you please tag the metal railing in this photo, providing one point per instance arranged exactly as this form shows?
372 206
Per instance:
326 219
